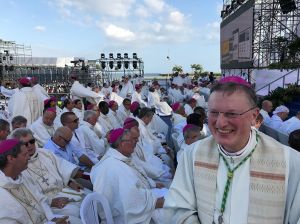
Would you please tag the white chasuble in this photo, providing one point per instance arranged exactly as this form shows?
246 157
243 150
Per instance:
24 203
250 198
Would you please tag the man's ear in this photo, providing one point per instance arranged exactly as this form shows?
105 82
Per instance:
254 115
10 159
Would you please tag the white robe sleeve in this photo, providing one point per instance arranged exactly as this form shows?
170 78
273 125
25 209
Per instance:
65 168
180 205
93 142
137 202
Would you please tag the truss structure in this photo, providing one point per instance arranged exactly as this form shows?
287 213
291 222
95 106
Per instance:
12 57
273 29
273 32
16 61
114 68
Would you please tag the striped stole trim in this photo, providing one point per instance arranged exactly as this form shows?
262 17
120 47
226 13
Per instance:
267 181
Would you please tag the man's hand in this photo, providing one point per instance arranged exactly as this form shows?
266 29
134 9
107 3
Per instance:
160 185
62 220
84 159
75 186
167 148
160 202
78 174
59 202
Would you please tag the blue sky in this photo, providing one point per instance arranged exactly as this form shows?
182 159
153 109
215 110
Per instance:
185 30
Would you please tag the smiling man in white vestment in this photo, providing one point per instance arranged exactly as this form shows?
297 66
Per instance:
237 175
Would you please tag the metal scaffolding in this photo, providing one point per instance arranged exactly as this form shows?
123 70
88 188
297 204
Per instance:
16 61
274 30
114 68
276 25
12 58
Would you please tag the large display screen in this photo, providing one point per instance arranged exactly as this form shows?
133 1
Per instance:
237 38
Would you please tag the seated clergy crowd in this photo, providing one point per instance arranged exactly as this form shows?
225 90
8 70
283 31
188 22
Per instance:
174 156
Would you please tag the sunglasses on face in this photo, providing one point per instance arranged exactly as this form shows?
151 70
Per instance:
75 120
31 141
66 140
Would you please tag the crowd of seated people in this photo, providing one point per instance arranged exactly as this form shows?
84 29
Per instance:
122 142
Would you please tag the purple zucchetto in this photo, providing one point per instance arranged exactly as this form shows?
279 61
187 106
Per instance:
129 123
134 105
175 106
115 134
24 81
8 144
111 103
188 126
234 79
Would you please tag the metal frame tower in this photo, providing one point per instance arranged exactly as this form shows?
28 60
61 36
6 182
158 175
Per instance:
273 29
13 57
112 68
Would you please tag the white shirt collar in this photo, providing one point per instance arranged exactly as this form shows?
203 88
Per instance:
235 158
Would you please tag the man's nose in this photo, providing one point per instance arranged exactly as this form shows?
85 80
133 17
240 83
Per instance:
221 120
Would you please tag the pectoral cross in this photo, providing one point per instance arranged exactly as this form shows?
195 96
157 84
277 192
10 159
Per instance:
45 180
220 219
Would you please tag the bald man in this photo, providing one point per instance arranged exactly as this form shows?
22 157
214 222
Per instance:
266 108
60 145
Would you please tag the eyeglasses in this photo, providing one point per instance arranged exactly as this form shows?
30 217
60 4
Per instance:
31 141
231 115
75 120
127 140
67 141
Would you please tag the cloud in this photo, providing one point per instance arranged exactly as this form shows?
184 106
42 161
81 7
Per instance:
124 22
155 5
213 31
40 28
116 8
142 11
119 33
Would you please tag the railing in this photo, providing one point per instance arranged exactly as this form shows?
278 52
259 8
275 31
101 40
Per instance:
283 80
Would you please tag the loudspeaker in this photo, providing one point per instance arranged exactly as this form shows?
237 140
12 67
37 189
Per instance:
134 64
111 64
287 6
103 65
126 64
119 64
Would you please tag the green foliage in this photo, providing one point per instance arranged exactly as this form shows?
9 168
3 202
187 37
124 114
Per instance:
294 49
197 69
284 65
281 96
177 68
291 51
